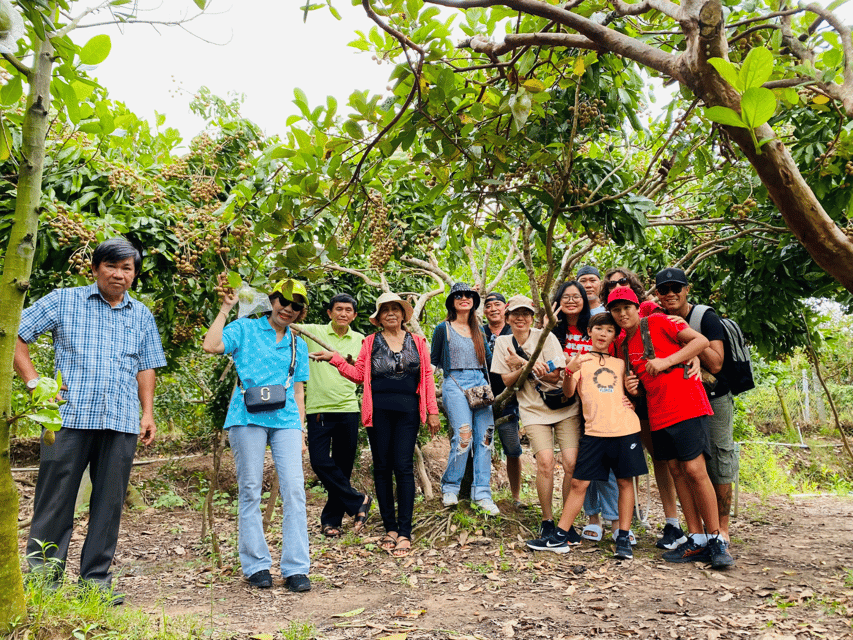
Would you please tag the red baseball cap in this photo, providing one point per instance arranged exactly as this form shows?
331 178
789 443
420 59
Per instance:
622 294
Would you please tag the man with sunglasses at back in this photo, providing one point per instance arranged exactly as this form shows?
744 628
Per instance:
672 287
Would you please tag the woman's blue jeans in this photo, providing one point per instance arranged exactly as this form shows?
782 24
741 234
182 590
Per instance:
249 444
469 428
602 497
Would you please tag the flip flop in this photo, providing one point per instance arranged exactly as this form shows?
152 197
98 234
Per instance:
592 532
361 516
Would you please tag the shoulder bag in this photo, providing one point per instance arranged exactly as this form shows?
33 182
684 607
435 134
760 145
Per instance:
553 398
273 396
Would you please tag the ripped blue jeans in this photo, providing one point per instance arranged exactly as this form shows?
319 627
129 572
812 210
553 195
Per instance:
470 429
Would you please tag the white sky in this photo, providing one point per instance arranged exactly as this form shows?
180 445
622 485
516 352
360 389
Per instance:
267 51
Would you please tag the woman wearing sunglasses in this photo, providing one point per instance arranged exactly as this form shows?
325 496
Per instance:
459 348
268 409
399 396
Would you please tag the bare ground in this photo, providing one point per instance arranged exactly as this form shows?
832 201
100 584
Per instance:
470 576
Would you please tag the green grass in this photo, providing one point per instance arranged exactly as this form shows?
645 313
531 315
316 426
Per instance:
85 614
298 631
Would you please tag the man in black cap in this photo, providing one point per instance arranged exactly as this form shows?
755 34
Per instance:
494 307
590 279
672 287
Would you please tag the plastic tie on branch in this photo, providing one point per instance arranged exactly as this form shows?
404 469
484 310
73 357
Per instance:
250 301
11 27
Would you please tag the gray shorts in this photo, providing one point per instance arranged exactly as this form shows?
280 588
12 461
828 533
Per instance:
723 465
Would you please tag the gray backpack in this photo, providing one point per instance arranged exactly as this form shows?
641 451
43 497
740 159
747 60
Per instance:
737 365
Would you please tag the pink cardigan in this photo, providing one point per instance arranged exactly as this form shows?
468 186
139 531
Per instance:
360 373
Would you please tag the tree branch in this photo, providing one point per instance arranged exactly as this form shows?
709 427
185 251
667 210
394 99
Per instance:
431 267
664 6
23 69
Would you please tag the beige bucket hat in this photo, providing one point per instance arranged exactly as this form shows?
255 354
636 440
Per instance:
391 297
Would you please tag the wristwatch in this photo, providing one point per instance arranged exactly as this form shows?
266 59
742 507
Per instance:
32 384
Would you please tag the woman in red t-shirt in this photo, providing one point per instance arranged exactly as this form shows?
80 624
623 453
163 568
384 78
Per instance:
572 319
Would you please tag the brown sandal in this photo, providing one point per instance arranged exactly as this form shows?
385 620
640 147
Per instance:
402 552
331 531
361 517
388 542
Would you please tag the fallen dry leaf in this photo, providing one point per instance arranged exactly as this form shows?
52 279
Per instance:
348 614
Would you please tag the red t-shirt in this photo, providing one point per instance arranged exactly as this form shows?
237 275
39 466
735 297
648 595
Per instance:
576 343
670 397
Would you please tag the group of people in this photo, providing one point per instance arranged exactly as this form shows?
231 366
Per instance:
617 373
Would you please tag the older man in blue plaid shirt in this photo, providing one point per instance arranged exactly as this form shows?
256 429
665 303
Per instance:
106 346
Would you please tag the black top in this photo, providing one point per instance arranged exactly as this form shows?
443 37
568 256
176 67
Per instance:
712 328
495 378
395 375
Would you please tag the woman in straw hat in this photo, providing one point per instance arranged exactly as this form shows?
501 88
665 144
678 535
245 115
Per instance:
399 396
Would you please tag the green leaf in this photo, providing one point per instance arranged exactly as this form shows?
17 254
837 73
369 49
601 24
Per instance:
96 50
728 72
12 91
353 129
234 279
349 614
757 106
756 69
724 115
201 4
533 85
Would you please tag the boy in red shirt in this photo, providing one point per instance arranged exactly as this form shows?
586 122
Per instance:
678 405
611 438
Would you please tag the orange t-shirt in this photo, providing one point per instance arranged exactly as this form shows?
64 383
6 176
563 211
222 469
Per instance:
601 390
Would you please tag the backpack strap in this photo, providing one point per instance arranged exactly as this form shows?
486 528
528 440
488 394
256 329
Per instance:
648 345
696 316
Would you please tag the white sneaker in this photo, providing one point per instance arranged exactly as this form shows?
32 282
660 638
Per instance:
449 499
488 505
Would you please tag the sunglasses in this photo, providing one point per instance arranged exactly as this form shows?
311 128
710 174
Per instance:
621 281
664 289
296 306
464 294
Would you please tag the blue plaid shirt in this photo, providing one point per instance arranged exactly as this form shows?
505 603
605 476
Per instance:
99 350
260 360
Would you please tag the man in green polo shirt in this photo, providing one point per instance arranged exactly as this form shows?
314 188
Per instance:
333 418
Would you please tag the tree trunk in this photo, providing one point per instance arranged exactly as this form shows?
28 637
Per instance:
13 285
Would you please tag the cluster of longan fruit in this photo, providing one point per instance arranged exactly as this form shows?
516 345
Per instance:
381 239
69 225
588 112
203 188
80 261
186 326
743 210
124 178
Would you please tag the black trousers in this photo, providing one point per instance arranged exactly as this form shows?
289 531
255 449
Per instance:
392 443
332 443
109 455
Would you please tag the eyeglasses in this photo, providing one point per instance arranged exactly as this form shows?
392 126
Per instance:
621 281
464 294
398 359
574 298
664 289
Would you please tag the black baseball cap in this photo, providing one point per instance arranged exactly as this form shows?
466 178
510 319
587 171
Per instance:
671 274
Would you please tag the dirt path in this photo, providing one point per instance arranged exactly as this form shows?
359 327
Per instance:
794 579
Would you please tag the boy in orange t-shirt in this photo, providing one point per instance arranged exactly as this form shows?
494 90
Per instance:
611 438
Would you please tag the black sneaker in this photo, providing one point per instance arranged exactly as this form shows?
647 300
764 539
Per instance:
672 537
550 543
720 556
574 538
298 583
260 579
547 529
623 547
688 552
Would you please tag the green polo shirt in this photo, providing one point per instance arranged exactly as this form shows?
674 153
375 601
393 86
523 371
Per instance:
327 390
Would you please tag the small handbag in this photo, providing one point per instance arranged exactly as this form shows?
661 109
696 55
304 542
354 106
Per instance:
477 397
554 399
273 396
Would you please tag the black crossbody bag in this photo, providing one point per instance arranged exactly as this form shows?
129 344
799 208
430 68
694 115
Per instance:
553 398
273 396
